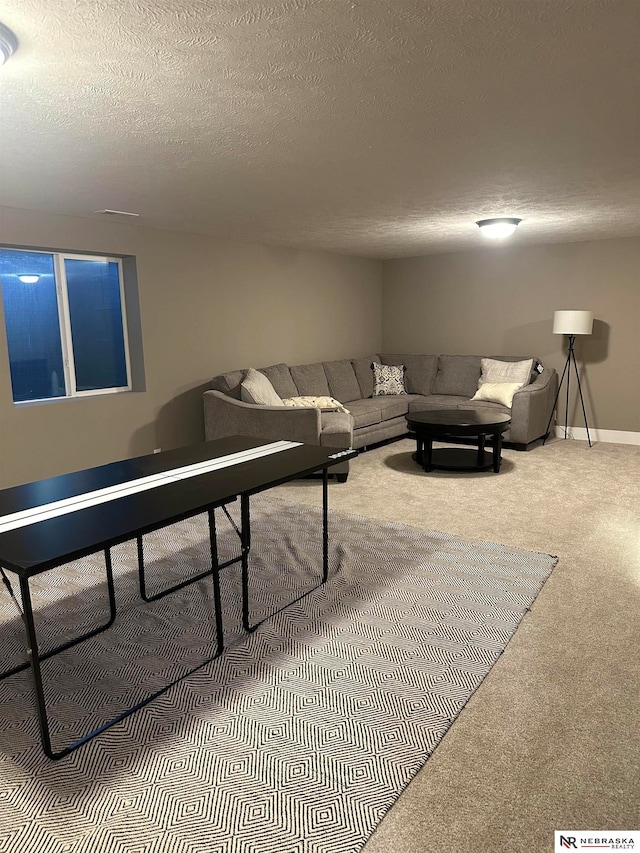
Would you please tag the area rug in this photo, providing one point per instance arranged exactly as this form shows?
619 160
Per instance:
300 736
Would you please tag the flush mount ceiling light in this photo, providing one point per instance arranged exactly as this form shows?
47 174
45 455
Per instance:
8 43
29 279
496 228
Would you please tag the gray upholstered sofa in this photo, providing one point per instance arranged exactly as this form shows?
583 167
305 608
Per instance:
431 381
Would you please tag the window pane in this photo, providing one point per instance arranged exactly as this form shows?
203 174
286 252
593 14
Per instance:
95 312
33 329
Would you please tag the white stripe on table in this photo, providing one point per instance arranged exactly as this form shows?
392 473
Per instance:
131 487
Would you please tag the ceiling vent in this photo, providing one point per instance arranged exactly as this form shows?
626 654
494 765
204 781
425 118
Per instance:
108 212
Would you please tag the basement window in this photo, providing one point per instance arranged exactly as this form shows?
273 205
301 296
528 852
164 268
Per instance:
66 324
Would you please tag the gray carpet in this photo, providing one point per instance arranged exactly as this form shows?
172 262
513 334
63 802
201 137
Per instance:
301 736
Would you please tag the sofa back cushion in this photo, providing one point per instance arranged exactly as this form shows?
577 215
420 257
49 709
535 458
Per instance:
280 377
364 374
310 380
343 383
457 375
419 373
229 383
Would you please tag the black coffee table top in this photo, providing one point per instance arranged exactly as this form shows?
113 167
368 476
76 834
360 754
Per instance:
472 421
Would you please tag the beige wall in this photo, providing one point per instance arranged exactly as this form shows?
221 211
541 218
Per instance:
207 305
210 305
501 300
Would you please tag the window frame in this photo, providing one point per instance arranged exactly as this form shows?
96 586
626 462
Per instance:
64 325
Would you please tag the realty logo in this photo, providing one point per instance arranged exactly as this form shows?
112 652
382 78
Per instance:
587 839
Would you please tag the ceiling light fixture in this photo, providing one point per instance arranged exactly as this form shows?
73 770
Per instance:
29 279
496 228
8 43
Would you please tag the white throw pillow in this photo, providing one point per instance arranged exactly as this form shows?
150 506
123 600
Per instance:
327 404
256 388
498 392
496 371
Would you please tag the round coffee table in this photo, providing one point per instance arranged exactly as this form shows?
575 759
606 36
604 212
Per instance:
452 423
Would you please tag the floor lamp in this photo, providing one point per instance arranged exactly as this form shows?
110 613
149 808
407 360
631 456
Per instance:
571 323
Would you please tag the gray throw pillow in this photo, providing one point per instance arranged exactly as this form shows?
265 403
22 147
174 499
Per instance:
256 388
388 380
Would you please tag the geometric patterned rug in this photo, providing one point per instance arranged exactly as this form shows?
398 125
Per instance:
300 736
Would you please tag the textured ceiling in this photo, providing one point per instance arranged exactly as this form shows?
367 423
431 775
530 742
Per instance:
381 128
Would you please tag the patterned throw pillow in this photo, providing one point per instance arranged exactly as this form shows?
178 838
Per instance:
388 379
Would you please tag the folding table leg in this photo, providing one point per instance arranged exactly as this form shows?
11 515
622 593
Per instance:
82 637
325 525
215 577
35 659
245 532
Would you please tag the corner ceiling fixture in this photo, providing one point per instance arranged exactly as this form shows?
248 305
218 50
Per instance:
496 228
8 43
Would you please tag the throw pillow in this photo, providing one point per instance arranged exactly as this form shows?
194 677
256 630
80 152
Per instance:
494 370
256 388
308 401
498 392
388 379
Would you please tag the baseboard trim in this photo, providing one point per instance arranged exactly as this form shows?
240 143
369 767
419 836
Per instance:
613 436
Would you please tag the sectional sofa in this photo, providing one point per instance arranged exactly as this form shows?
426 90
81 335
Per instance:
430 381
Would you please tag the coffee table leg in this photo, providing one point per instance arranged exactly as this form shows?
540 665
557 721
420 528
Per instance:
481 438
497 451
427 453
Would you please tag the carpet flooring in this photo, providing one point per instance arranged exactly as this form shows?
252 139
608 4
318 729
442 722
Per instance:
302 735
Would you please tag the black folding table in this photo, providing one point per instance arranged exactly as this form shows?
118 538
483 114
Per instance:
48 523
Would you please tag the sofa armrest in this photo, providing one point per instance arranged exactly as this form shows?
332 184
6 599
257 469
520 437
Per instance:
531 408
223 416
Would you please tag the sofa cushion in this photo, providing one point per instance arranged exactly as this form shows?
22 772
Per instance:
364 374
420 370
310 379
365 412
486 405
343 383
388 380
325 404
393 407
256 388
496 371
437 401
497 392
229 383
280 377
457 375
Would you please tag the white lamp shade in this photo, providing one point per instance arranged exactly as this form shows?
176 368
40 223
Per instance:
572 322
